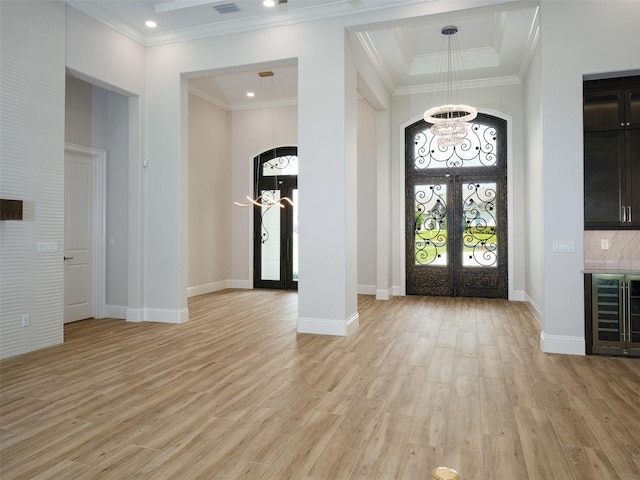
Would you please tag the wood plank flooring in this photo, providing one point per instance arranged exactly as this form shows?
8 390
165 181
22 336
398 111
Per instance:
235 393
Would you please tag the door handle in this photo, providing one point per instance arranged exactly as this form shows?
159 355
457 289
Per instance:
67 258
624 214
629 214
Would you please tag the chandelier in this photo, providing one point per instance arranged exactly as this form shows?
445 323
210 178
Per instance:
450 122
267 199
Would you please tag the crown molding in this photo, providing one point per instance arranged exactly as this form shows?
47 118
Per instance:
437 87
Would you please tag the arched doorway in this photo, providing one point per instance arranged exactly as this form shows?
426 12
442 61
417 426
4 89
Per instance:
456 212
275 252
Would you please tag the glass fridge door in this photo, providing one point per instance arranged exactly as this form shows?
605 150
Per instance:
608 326
633 312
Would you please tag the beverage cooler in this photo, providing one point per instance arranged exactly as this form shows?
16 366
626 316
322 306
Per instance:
615 314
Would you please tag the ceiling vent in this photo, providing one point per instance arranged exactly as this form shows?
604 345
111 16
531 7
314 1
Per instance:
226 7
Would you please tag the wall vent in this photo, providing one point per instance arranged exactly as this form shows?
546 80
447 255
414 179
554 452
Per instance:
226 7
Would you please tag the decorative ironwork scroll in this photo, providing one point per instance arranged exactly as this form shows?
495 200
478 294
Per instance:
477 150
430 240
282 165
479 237
268 198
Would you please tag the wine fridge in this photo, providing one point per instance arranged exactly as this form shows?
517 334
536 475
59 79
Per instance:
616 314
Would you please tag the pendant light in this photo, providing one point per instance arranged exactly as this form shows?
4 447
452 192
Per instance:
450 121
265 200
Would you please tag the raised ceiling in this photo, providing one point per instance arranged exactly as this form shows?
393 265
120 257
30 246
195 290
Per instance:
496 41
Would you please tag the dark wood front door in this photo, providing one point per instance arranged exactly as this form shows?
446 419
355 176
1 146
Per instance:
275 252
456 212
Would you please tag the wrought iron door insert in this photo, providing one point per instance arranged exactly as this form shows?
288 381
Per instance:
456 212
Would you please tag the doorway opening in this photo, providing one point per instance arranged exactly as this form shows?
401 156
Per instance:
275 228
456 212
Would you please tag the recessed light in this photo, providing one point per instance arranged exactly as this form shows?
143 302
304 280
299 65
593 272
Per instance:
251 94
151 24
269 3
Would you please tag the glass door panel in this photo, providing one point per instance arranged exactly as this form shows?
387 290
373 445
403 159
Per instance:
479 225
270 235
607 309
634 313
430 220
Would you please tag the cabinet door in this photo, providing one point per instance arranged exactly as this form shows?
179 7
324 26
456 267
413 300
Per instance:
632 197
633 313
603 110
632 107
603 174
607 312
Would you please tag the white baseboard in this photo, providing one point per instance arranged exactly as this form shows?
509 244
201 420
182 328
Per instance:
398 291
135 314
535 309
518 296
323 326
562 344
115 311
207 288
247 284
162 315
366 289
384 293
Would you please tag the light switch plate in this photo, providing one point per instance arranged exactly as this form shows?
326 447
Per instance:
47 247
604 244
564 246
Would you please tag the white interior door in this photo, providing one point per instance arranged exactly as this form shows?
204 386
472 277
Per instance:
79 180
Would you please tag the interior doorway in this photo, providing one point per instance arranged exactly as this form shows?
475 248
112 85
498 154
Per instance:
275 225
84 245
456 212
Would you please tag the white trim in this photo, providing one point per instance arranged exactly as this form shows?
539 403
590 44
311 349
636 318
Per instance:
535 309
322 326
207 288
366 289
246 284
519 296
384 293
134 314
99 220
398 291
116 311
562 344
166 315
161 315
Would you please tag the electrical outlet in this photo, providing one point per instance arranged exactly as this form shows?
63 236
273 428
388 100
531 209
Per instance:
604 244
25 320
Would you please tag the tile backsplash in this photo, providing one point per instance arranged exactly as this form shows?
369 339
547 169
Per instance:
623 251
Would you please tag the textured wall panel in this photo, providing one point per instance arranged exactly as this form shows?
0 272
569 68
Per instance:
32 73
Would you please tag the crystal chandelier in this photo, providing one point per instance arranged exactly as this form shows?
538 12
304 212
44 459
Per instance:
266 200
450 122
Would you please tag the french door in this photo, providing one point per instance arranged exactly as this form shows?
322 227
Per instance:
456 212
275 252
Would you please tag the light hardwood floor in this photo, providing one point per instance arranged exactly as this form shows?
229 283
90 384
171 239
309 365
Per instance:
235 393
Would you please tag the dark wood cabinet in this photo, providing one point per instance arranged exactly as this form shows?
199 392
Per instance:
611 117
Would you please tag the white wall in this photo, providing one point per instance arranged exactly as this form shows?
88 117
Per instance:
534 199
501 101
604 38
251 134
325 294
367 198
97 118
117 205
104 58
210 173
32 82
